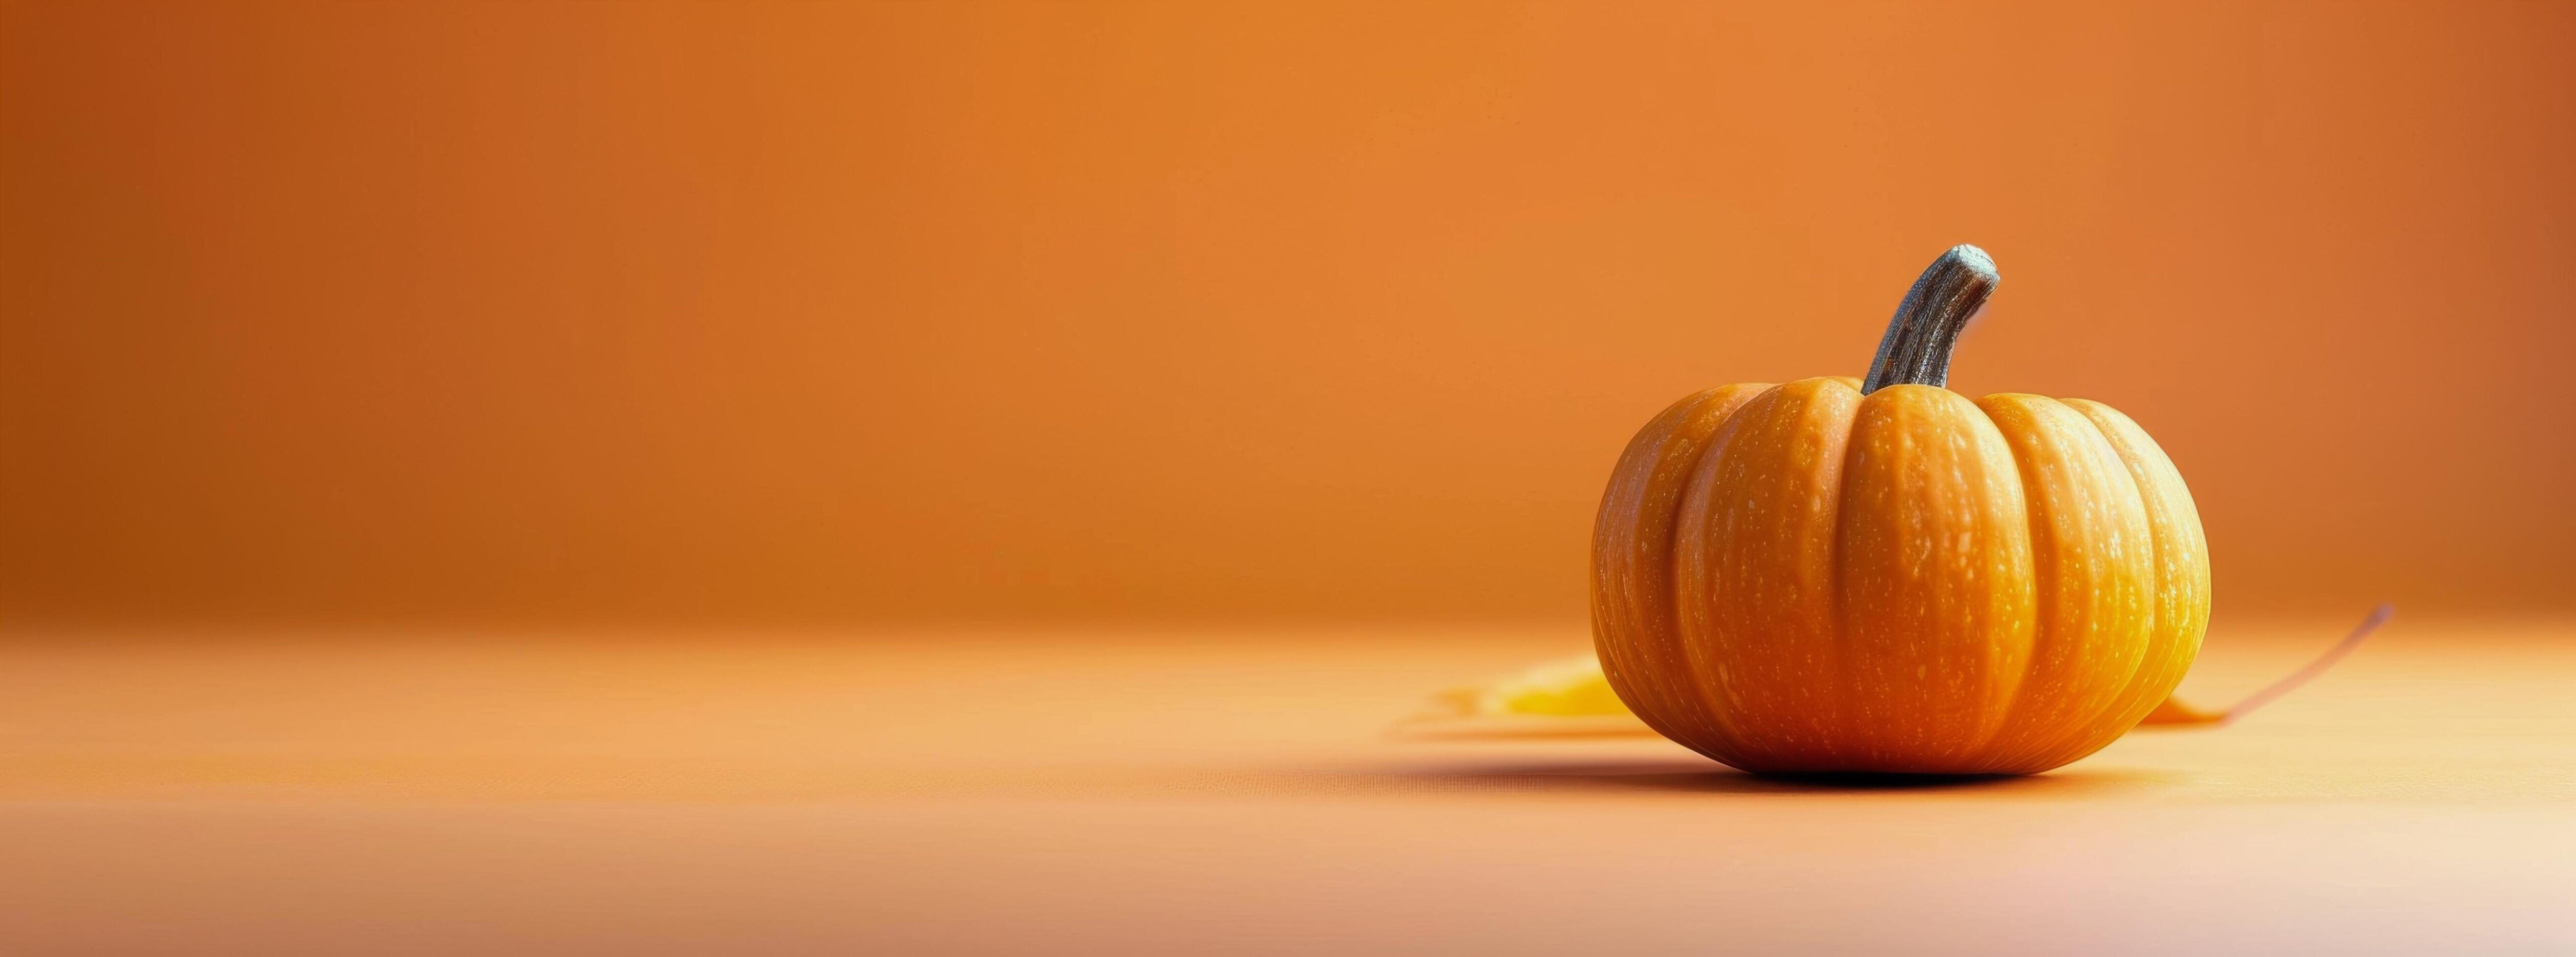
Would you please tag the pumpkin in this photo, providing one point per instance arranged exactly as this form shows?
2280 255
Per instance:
1880 575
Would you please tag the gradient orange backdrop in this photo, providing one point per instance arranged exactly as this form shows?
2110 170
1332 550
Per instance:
618 313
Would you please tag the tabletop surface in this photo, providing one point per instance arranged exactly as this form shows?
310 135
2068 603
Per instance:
1216 791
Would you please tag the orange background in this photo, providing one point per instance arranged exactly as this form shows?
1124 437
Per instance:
1168 399
830 314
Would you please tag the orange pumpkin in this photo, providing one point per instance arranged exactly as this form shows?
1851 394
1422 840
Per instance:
1883 576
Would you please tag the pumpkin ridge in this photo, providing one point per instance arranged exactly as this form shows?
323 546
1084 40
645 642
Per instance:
2087 736
2031 440
1708 715
1844 678
2180 607
1894 574
1992 759
1632 647
1612 594
1707 684
1972 754
2002 754
2028 573
1827 528
1757 620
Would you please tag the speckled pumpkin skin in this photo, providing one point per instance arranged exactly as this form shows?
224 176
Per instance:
1801 578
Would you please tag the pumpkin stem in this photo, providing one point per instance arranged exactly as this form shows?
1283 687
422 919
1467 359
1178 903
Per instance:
1917 346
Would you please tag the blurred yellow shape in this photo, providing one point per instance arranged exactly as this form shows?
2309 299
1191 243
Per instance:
1572 686
1568 697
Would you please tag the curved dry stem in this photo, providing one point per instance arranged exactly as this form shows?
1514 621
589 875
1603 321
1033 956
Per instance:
1916 348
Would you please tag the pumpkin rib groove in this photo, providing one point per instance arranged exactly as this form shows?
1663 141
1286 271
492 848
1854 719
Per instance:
1985 757
2181 606
2088 736
1626 505
1708 681
1697 692
2084 603
2003 753
1633 541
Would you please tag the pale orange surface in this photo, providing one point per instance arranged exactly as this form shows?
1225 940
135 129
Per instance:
1206 791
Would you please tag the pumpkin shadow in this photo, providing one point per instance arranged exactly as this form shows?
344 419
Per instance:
1702 777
